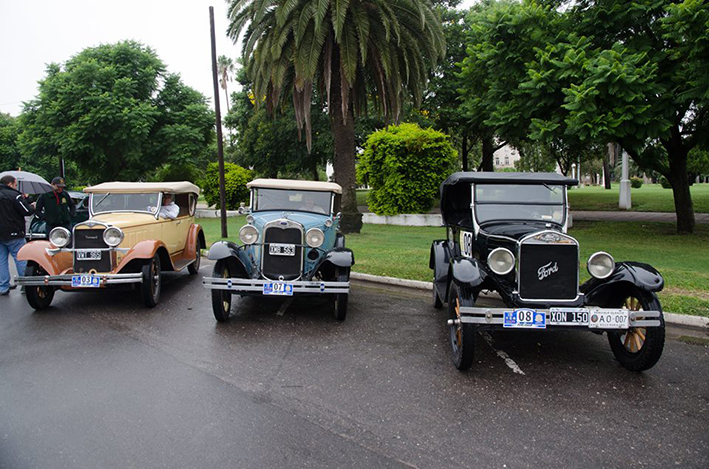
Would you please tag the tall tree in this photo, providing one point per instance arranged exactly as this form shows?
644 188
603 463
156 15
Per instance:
115 112
9 152
353 52
225 69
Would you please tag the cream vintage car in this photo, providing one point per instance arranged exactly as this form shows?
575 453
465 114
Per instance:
128 240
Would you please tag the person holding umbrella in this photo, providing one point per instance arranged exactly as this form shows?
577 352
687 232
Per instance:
57 205
13 209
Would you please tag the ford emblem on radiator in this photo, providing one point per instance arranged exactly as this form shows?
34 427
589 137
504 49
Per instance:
546 270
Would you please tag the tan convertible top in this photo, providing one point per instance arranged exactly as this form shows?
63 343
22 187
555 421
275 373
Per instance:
296 185
144 187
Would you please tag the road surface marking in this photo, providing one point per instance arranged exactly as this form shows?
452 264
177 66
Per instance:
500 353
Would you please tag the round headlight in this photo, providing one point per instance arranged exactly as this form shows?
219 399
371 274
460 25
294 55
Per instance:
59 237
314 237
328 222
501 261
113 236
248 234
601 265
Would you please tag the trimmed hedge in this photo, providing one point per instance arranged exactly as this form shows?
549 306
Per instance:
405 165
636 182
235 179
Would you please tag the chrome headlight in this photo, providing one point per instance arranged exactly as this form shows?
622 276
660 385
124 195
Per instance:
113 236
248 234
601 265
328 222
59 237
314 237
501 261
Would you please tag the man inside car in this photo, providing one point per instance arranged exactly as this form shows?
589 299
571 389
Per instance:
169 208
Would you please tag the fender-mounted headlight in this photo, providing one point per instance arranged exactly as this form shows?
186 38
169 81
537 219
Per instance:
113 236
248 234
314 237
601 265
59 237
501 261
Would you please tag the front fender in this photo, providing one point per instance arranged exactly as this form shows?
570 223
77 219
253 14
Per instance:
36 251
145 250
339 257
438 261
230 251
643 276
467 273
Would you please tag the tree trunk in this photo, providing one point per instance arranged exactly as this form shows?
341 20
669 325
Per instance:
343 136
464 152
488 154
606 167
314 173
680 189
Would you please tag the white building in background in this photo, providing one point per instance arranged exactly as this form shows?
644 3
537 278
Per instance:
505 157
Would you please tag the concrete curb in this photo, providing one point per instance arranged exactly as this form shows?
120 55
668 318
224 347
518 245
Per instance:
684 320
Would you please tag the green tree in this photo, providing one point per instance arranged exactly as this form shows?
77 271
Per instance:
225 69
353 52
115 112
235 180
9 152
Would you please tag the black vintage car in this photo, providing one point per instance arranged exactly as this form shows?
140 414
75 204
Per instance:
506 232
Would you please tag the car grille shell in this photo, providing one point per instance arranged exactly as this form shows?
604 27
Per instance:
288 267
91 239
548 267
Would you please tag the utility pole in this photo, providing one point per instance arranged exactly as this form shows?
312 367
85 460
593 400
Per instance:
220 146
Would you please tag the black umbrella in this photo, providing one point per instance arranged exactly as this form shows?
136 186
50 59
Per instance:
29 183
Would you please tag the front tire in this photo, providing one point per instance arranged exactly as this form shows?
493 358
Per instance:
38 297
221 299
639 348
152 282
462 336
341 299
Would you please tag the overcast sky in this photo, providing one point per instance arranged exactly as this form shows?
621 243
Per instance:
34 33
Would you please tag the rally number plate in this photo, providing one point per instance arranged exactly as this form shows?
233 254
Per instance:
276 249
85 281
608 319
525 319
278 288
92 255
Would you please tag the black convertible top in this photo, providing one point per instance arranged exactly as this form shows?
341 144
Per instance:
455 191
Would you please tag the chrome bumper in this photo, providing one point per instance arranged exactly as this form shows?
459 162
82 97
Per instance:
495 317
240 285
65 280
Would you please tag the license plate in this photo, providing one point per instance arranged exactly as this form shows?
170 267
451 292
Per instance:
608 319
85 281
525 319
278 288
88 255
276 249
568 316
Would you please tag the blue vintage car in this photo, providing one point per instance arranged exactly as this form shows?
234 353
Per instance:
290 245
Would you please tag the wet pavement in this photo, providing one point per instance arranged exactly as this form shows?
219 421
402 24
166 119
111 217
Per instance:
99 381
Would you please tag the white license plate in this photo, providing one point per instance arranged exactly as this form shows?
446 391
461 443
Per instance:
525 319
85 281
276 249
568 316
88 255
278 288
608 319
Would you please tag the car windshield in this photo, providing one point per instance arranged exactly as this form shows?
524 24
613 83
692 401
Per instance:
124 203
293 200
528 202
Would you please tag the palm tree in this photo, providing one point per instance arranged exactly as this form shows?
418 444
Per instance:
225 67
356 52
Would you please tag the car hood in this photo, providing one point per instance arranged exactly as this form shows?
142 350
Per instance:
517 230
308 220
125 220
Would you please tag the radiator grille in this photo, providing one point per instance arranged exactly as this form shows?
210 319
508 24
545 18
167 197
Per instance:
91 239
548 271
286 266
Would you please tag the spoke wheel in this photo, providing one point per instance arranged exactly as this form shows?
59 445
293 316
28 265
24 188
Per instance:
639 348
152 282
193 268
221 299
38 297
462 336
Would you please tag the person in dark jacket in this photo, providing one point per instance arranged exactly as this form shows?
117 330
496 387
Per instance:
57 206
13 210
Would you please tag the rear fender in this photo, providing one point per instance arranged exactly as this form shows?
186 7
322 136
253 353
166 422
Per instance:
36 251
222 250
626 274
194 236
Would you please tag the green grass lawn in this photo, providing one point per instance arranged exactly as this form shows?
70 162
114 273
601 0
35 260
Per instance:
649 198
402 251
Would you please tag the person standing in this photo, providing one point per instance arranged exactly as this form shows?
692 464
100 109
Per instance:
13 209
57 205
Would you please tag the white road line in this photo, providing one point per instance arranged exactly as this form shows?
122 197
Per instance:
508 361
284 307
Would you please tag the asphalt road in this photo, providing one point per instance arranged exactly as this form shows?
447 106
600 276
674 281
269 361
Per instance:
99 381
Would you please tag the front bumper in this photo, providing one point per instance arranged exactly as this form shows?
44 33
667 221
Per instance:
65 280
240 285
494 317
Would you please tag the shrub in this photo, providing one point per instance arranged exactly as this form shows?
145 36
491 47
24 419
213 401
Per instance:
636 182
405 165
235 179
172 172
665 183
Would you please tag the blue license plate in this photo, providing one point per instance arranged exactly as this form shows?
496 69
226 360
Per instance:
278 288
525 319
85 281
